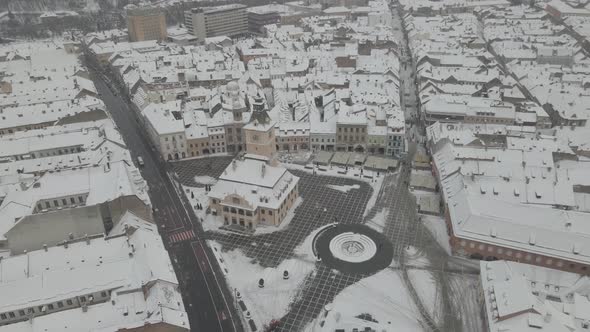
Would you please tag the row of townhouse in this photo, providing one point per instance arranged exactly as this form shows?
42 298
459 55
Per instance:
74 209
509 176
317 104
545 57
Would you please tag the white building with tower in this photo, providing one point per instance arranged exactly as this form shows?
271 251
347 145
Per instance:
253 190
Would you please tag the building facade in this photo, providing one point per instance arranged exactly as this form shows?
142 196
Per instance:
228 20
252 192
351 135
146 24
258 17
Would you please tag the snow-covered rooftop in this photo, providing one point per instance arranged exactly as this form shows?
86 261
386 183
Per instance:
129 276
522 297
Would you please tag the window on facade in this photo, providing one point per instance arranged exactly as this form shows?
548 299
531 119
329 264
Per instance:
240 211
262 211
64 202
72 200
55 202
81 199
60 304
225 209
12 315
3 316
249 213
103 294
50 306
39 206
269 212
47 205
69 302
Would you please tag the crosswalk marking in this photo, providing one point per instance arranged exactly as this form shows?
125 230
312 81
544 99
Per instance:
182 236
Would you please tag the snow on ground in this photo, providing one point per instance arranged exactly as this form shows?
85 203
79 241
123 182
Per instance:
205 179
265 229
353 173
382 295
379 220
376 185
437 227
305 250
344 188
209 222
425 286
272 301
415 257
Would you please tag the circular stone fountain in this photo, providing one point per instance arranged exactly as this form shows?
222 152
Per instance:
353 248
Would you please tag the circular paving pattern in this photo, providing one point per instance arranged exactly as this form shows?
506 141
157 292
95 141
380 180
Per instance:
353 248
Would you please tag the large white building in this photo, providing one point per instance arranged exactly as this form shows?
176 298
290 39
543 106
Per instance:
521 200
253 190
120 282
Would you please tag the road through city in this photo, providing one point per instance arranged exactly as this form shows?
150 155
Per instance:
203 292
